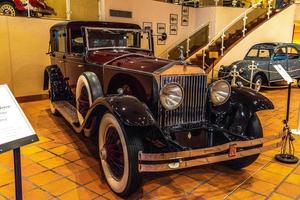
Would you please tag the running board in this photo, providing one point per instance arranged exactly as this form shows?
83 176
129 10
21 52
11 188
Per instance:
68 111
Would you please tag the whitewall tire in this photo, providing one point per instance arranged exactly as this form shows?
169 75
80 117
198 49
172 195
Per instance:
83 98
119 156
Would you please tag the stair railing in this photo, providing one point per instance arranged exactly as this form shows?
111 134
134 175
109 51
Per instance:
165 54
270 6
222 32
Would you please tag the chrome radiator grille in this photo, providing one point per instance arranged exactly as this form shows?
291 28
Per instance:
192 108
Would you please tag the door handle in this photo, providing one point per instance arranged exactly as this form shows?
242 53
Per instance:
80 66
61 61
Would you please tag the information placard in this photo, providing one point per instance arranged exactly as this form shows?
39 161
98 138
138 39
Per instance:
283 73
15 129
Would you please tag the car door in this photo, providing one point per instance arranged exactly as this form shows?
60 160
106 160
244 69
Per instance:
74 60
293 62
279 58
58 48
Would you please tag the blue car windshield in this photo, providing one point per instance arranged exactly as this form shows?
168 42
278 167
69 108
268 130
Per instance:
261 53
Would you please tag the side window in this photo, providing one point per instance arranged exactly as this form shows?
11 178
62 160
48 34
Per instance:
77 42
264 53
280 54
252 53
59 38
293 53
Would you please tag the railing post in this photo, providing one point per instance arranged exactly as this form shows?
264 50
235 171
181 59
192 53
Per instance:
68 9
203 58
252 68
216 2
269 8
222 47
187 46
28 8
234 74
245 23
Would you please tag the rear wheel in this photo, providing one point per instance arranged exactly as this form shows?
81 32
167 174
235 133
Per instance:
119 156
255 131
88 89
8 9
257 83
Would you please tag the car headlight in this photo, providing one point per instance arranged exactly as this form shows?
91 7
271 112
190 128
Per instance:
171 96
220 92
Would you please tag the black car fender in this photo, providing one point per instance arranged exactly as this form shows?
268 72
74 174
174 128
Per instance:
235 114
56 84
128 110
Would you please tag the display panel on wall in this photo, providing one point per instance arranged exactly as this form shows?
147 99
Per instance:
173 29
147 25
161 28
184 16
173 19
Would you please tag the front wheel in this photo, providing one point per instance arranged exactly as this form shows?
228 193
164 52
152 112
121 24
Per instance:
253 130
119 156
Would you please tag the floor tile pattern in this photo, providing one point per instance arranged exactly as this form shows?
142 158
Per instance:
64 165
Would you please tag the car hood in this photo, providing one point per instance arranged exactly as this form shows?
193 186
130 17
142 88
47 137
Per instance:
141 61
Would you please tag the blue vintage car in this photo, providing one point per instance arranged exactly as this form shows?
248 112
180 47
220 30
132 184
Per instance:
265 56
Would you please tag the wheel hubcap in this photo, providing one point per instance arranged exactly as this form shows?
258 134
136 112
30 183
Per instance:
258 85
113 153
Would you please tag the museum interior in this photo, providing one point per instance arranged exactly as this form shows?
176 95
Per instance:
149 99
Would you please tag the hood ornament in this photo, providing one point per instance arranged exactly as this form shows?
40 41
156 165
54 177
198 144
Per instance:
181 56
181 53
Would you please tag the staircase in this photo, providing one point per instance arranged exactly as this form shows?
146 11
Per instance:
190 44
213 52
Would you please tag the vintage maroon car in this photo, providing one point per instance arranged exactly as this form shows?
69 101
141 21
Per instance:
20 7
149 114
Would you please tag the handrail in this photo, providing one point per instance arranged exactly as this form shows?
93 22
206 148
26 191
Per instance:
182 39
220 34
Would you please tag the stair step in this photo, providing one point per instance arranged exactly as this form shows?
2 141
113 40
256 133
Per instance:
67 110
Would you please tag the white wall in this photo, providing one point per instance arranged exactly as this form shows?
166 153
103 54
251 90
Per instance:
155 12
277 29
218 17
24 43
297 12
159 12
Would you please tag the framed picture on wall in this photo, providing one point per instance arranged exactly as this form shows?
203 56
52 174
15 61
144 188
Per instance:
173 19
185 16
161 28
147 25
184 10
173 29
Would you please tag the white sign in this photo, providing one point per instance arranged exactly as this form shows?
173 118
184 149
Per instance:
13 123
283 73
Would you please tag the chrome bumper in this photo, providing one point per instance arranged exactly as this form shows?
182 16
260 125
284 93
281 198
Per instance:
156 162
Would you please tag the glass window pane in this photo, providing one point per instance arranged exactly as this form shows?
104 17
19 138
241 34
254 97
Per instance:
293 53
264 53
253 53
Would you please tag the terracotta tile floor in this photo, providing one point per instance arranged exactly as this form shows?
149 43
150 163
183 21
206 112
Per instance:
64 165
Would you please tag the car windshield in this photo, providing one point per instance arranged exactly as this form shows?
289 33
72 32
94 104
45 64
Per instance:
259 53
100 38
